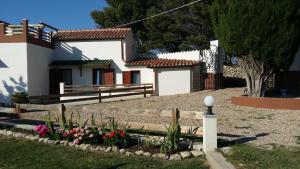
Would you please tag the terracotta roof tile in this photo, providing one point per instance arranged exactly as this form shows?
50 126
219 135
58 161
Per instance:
94 34
159 62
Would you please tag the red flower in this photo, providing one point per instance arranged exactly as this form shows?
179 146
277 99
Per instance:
112 134
65 134
122 133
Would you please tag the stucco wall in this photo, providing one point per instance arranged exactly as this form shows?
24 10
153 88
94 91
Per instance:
106 49
173 81
213 64
13 69
39 59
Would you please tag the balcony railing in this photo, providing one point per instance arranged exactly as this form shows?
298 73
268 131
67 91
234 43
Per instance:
25 32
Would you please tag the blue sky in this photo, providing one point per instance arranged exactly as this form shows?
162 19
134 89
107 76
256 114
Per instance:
62 14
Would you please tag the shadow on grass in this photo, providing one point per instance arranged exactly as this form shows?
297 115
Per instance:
240 139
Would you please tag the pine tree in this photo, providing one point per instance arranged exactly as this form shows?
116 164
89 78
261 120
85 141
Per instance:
265 35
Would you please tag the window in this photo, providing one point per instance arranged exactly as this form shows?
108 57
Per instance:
65 75
131 77
97 77
135 77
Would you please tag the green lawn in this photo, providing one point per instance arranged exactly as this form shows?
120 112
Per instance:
249 157
21 154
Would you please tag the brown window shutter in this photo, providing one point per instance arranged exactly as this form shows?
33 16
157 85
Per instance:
109 78
126 77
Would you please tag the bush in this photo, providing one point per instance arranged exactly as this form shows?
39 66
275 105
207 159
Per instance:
108 134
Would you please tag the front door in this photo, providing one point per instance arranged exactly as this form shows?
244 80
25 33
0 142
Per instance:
97 76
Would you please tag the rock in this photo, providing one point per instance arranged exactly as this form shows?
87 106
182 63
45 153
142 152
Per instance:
41 139
197 153
122 151
62 142
71 144
147 154
66 143
175 157
159 155
84 146
36 138
185 154
101 148
226 150
56 142
115 149
198 146
32 138
45 140
9 133
139 152
128 153
108 149
93 148
50 141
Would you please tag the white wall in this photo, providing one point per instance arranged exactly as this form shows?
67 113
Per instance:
213 64
295 66
130 47
106 49
13 69
173 81
39 59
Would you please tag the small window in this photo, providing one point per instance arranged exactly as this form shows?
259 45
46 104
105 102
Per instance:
135 77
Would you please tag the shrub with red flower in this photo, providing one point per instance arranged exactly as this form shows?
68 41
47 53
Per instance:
115 138
86 135
42 130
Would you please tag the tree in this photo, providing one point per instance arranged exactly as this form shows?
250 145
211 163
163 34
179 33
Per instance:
186 28
265 35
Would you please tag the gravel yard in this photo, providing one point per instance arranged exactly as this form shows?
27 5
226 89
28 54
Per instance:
247 125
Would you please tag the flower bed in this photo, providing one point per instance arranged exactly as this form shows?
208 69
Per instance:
85 135
140 149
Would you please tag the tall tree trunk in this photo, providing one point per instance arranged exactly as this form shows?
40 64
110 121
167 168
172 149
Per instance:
256 74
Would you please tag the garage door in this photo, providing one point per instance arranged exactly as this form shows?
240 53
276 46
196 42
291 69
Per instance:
173 81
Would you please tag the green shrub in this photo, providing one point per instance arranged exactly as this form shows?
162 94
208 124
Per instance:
171 141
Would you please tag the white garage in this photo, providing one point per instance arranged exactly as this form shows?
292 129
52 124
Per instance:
173 80
173 76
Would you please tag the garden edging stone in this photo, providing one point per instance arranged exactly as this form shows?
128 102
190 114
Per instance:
177 156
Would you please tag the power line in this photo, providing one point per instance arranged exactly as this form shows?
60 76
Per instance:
153 16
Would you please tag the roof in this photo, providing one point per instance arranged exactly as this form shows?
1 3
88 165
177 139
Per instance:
94 34
159 62
80 62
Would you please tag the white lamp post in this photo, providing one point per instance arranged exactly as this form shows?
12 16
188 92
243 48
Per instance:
209 102
209 126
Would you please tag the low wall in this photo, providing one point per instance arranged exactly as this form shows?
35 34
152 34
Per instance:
267 103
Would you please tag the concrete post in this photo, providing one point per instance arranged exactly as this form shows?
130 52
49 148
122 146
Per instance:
61 89
209 132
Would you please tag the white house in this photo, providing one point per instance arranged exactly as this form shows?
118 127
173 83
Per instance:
35 60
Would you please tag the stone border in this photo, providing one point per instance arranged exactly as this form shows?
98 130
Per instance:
177 156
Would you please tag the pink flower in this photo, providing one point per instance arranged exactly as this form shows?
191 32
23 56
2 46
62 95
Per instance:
76 141
42 130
